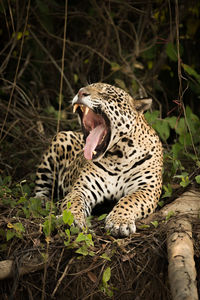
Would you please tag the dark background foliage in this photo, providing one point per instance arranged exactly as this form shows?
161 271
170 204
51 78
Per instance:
131 44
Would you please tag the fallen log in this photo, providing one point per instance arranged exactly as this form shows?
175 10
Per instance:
181 268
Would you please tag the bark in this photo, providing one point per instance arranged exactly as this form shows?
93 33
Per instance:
181 269
10 268
6 267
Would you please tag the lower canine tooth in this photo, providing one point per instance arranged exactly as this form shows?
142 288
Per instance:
94 152
86 110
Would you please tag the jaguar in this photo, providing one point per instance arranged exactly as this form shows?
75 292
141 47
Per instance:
116 156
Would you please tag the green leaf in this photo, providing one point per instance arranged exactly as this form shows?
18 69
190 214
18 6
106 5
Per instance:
161 126
172 121
184 179
83 250
105 256
168 190
163 129
66 243
169 215
185 182
68 217
176 148
155 224
151 117
161 203
26 212
91 253
102 217
182 175
26 189
191 72
144 226
35 207
197 178
47 228
67 231
49 225
106 275
106 290
181 128
87 238
69 205
185 140
19 227
74 230
6 180
81 237
22 200
10 234
88 221
171 51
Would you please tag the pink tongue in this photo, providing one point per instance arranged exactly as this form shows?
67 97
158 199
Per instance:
92 140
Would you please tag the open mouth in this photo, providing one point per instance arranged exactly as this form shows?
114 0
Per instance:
96 130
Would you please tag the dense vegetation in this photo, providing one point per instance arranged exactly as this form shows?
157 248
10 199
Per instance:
49 49
147 49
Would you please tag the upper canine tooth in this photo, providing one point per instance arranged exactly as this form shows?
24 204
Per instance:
82 108
75 107
86 110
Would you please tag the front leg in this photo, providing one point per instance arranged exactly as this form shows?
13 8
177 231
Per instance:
121 220
77 207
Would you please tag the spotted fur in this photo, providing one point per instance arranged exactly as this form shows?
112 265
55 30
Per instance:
128 171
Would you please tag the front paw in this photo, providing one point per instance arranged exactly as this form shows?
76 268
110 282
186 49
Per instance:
120 225
79 221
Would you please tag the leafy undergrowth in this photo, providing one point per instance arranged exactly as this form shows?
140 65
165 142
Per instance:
79 265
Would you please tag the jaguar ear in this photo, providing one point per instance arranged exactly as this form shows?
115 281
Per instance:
142 105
